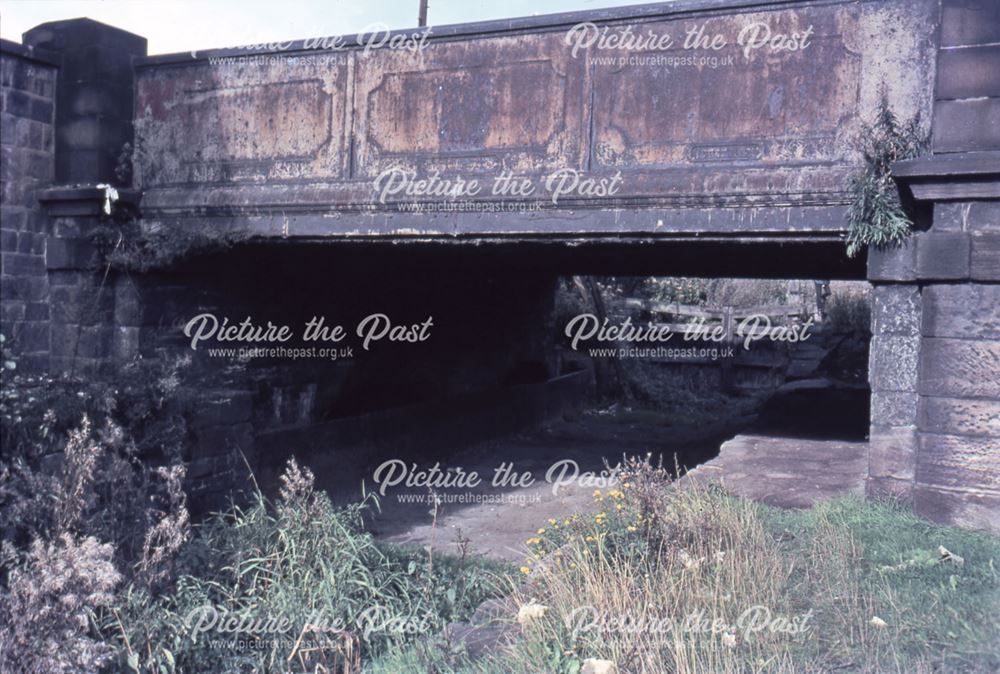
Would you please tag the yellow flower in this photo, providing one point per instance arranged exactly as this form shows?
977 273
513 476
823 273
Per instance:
630 529
541 531
552 521
526 570
627 485
597 492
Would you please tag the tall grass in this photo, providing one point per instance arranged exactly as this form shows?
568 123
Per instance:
344 596
692 580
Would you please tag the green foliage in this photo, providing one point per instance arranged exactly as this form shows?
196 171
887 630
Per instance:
847 312
678 397
302 560
883 590
876 216
128 428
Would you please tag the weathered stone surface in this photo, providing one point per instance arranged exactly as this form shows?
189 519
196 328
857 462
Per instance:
70 254
965 311
969 125
893 362
894 408
968 73
959 461
896 263
892 452
960 416
788 472
960 367
985 264
969 22
896 310
983 216
26 163
943 255
973 509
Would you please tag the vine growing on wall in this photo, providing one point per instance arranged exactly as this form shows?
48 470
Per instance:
876 216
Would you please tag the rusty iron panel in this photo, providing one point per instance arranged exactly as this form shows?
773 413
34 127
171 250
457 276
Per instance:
767 129
481 105
762 106
211 124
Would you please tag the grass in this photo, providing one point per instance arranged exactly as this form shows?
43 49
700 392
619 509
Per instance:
294 586
695 580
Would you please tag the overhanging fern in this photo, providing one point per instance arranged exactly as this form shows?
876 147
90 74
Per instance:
876 216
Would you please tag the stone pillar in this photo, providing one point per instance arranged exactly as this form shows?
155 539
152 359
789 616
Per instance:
93 123
95 97
941 295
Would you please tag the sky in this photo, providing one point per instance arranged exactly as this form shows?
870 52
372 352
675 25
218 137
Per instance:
185 25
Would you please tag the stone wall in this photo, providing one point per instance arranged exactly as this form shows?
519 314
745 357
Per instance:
935 359
27 111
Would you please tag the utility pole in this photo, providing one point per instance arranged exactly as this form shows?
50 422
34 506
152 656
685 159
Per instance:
422 16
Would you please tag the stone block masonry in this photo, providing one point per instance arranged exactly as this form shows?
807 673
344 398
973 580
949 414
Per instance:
27 164
935 359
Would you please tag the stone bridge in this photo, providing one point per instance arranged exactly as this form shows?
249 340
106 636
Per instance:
458 172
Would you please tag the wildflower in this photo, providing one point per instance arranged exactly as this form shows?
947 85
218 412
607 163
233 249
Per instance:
729 640
631 529
553 522
597 493
878 622
530 611
526 570
541 531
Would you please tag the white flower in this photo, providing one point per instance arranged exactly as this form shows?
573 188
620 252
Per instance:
596 666
878 622
530 611
729 640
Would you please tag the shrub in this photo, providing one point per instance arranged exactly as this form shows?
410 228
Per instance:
46 612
